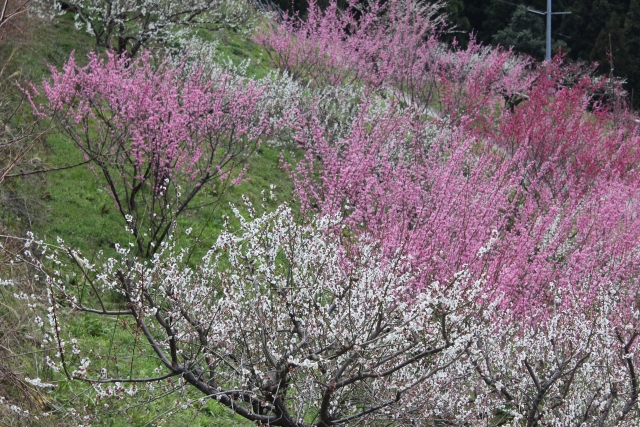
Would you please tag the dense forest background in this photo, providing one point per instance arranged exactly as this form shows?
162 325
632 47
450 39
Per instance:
593 30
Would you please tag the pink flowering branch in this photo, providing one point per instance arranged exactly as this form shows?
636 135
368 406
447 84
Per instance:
392 47
534 199
157 139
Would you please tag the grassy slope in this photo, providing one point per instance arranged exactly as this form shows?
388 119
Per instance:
71 204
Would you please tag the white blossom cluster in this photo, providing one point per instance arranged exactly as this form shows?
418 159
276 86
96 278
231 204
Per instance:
283 322
284 100
129 25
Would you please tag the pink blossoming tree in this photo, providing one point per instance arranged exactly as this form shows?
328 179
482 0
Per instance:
392 48
154 137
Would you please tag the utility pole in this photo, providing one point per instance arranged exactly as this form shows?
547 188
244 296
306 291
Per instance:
548 13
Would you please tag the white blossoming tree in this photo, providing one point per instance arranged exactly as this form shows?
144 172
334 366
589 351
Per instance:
286 326
128 25
575 369
276 323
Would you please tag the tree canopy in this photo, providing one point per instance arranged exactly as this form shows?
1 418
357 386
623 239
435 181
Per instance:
583 34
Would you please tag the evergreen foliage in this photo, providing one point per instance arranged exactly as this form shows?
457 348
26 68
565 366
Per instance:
610 51
585 32
632 35
525 33
459 23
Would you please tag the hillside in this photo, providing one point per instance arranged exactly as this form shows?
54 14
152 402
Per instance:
232 218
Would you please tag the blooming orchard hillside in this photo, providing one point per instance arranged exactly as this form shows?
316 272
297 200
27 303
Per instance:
549 184
466 251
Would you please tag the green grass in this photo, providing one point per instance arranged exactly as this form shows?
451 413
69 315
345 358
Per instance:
238 48
44 44
113 336
78 209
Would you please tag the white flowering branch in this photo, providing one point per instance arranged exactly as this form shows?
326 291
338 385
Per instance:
286 325
128 25
277 323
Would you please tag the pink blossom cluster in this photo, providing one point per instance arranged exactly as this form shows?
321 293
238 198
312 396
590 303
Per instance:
156 136
390 46
545 195
522 179
159 120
